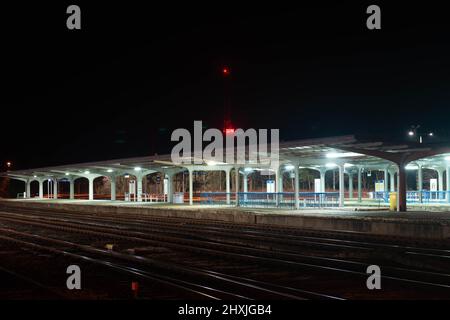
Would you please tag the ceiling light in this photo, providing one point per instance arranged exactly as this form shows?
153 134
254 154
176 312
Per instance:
334 155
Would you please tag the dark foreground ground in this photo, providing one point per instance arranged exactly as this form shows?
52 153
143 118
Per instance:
179 258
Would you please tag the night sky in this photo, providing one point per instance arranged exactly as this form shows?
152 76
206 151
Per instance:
119 86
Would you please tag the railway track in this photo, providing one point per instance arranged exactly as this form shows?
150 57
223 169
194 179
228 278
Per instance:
211 241
127 264
242 253
273 241
194 227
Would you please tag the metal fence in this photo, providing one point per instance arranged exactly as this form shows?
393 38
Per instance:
272 199
428 197
424 196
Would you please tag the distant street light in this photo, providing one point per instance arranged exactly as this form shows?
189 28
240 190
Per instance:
414 131
8 164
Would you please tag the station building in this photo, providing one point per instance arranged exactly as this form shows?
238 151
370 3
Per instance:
353 159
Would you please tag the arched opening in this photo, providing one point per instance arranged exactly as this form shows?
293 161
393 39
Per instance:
34 189
102 188
63 188
153 187
307 177
48 188
81 188
123 186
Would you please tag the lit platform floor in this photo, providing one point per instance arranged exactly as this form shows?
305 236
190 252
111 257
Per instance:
416 223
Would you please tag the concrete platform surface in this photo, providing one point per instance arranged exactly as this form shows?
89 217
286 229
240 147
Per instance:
413 224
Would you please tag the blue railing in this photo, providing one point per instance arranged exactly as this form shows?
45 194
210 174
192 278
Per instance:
310 199
272 199
382 196
424 196
428 197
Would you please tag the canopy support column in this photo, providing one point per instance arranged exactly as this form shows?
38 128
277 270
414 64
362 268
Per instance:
228 188
359 185
71 189
191 187
401 194
112 181
91 188
440 172
350 185
296 189
236 171
447 178
322 179
41 189
55 188
420 182
341 185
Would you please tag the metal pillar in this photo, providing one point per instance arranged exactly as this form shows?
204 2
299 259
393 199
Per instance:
296 191
401 194
41 189
278 174
28 189
169 188
341 186
191 188
386 180
91 188
392 184
359 185
139 187
71 189
447 178
440 172
55 188
236 176
322 179
420 182
350 185
227 176
112 181
245 185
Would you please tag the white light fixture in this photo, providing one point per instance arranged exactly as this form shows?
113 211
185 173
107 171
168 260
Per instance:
87 172
447 158
34 176
411 133
126 176
290 167
335 155
109 170
331 165
213 163
431 134
67 173
411 167
137 169
248 170
348 165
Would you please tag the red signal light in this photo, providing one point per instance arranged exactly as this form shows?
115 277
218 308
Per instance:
225 71
229 131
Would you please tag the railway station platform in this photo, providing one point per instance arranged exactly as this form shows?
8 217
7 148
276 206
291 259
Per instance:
419 222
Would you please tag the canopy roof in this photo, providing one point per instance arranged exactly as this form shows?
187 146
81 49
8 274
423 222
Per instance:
311 153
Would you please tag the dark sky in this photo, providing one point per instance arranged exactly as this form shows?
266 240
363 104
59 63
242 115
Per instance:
118 87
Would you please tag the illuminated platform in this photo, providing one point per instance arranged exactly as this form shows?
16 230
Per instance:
354 160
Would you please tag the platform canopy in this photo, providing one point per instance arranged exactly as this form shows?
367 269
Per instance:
311 153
